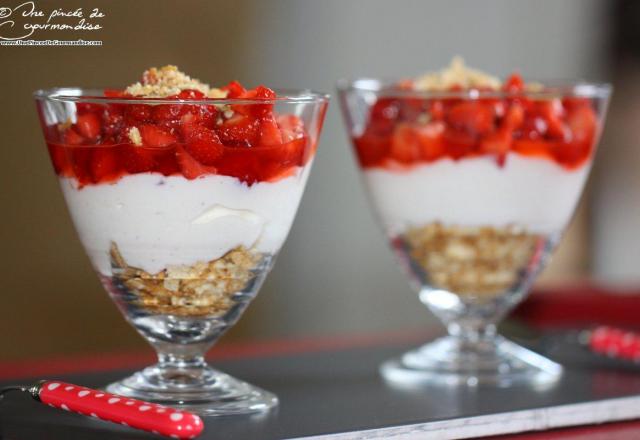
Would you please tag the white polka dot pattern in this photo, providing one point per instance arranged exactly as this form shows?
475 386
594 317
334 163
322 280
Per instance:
127 412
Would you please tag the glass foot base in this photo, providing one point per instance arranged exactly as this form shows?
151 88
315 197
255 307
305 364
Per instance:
206 392
450 361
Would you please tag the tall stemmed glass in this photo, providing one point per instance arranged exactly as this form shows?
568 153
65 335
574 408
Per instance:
182 206
474 189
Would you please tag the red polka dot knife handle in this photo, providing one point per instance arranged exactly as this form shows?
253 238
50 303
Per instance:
615 343
146 416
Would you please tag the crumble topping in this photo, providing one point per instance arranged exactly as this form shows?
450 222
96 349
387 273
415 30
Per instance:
134 136
205 288
457 74
472 261
168 81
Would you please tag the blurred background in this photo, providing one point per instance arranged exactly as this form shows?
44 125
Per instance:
335 274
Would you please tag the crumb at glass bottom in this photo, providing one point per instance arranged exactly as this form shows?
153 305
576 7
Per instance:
469 260
202 289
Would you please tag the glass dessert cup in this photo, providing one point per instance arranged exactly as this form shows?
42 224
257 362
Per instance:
473 206
181 225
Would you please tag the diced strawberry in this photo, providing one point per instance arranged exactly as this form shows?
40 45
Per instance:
572 154
256 110
582 122
536 148
205 146
270 132
189 166
191 94
234 89
112 120
431 139
88 107
384 114
113 93
514 83
80 158
405 146
136 113
471 117
138 159
59 159
497 144
71 137
372 149
458 143
514 117
553 113
88 125
166 112
239 131
292 153
291 127
104 164
156 137
437 109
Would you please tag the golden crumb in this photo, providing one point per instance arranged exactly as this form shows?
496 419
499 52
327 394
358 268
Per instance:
472 261
457 74
134 136
168 81
205 288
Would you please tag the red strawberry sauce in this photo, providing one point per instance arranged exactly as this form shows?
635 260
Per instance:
409 131
247 141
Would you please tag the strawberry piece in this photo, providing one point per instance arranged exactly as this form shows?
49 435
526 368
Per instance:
59 159
239 131
136 113
514 83
204 145
431 140
270 132
112 120
458 143
437 109
87 107
104 164
582 123
572 154
514 117
497 144
166 112
405 146
80 158
156 137
372 149
291 127
471 117
552 112
138 159
384 114
189 166
71 137
88 125
256 110
113 93
234 89
191 94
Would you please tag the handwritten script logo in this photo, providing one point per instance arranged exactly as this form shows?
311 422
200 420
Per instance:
25 20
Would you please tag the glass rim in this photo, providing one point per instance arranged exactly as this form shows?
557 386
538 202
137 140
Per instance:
93 96
388 87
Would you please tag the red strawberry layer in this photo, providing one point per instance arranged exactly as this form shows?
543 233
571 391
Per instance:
411 130
249 141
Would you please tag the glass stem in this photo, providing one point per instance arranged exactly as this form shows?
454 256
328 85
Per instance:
471 333
182 363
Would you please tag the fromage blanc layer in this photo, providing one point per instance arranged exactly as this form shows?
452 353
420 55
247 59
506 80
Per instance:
529 192
159 221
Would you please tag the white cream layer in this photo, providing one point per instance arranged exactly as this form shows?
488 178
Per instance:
531 192
159 221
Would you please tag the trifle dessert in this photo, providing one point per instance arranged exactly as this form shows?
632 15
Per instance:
474 178
182 195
